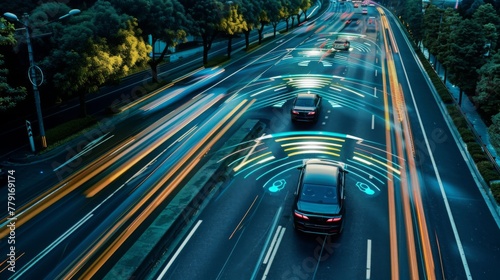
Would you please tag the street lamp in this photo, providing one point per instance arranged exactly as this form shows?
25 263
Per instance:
32 70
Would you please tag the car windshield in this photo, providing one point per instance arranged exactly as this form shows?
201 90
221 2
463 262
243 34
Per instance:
305 102
318 194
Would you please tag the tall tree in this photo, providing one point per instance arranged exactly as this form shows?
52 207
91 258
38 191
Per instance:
9 96
250 11
94 48
206 18
304 6
232 23
466 55
431 27
449 23
487 98
163 20
486 14
276 11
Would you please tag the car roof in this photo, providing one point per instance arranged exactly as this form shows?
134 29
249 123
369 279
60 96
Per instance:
306 95
320 173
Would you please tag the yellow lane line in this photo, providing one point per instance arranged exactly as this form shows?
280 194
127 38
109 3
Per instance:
410 238
393 237
417 198
403 134
244 216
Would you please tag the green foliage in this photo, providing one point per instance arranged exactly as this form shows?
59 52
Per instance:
436 80
98 46
457 117
487 171
6 33
9 96
233 23
466 134
487 97
431 25
412 15
494 132
495 190
69 129
466 55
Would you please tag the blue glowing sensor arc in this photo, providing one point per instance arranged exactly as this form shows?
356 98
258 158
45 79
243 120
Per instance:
365 188
277 186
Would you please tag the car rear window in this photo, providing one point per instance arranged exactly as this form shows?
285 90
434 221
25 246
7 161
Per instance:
305 102
318 194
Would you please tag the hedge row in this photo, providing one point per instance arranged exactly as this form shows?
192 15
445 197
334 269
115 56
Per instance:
68 131
436 80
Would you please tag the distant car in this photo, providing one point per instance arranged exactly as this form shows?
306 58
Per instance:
356 5
371 5
319 198
306 107
364 11
341 45
371 24
364 4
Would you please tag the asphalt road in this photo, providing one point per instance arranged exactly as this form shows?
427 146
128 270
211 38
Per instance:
414 208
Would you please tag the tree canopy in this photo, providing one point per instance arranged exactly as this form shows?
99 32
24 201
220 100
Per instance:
9 96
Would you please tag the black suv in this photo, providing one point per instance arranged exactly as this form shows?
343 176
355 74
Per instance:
319 198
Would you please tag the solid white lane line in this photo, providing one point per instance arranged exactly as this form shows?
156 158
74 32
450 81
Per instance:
368 259
269 251
268 240
179 250
86 149
438 178
275 249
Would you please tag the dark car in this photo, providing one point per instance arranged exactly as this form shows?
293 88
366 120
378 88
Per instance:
341 45
319 198
306 107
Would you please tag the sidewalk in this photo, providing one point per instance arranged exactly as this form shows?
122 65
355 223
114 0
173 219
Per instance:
469 110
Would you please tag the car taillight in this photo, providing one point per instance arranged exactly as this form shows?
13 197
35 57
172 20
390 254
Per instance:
311 113
298 215
295 112
336 219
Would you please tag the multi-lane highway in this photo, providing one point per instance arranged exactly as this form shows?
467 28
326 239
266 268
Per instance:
414 209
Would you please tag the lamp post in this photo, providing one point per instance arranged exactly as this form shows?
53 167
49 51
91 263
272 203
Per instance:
32 69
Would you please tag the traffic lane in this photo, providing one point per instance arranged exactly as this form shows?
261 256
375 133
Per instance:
154 186
476 228
356 185
34 179
48 238
471 215
354 254
223 232
73 209
228 260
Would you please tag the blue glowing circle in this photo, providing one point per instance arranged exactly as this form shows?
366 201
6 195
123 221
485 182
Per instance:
277 186
365 188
